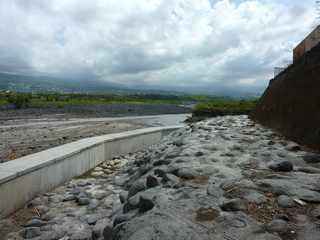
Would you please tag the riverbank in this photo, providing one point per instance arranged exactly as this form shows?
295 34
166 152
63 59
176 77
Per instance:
26 134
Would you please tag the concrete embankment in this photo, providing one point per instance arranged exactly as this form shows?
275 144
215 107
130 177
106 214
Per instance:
24 178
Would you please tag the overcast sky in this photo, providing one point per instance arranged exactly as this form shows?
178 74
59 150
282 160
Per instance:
179 44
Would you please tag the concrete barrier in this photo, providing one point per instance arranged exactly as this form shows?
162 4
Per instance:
22 179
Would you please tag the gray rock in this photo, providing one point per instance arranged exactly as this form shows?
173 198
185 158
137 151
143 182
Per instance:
92 219
311 158
151 181
187 173
35 223
254 197
75 191
83 183
263 236
285 201
160 172
101 194
290 187
132 203
97 231
136 187
293 147
146 202
108 233
30 232
178 143
69 197
214 191
82 195
51 235
82 235
309 196
123 196
164 225
162 162
171 180
283 166
77 230
315 213
94 203
121 218
278 226
120 180
199 154
83 201
13 236
234 205
311 170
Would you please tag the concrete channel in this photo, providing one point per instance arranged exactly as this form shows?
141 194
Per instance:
24 178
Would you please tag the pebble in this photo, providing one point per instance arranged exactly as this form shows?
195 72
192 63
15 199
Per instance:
83 201
278 226
35 223
234 205
285 201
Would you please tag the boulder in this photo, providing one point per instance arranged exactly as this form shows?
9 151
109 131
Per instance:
136 187
285 201
311 158
283 166
151 181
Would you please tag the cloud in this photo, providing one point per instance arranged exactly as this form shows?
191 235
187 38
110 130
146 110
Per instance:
206 45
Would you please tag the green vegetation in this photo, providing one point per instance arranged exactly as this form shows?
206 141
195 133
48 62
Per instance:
23 100
20 100
220 107
205 105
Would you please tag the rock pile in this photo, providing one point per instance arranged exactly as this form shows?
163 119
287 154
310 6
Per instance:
223 178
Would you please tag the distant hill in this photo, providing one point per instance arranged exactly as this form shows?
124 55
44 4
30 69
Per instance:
43 84
25 83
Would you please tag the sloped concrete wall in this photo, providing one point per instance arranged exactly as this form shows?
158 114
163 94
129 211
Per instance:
22 179
291 103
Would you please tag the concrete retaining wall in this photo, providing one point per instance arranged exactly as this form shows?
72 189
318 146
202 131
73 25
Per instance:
22 179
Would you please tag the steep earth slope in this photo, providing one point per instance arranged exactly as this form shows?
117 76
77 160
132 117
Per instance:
291 103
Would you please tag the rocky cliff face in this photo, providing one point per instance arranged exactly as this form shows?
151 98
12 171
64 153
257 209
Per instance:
291 103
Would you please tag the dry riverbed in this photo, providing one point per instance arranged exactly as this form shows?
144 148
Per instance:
224 178
24 136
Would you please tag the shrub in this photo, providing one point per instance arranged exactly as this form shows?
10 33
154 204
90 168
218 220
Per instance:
19 100
223 107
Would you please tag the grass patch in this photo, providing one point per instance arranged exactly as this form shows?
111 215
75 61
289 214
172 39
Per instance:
220 107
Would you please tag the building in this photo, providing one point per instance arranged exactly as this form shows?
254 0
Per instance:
307 44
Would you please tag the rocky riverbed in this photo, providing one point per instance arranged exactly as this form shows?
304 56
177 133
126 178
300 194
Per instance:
21 137
224 178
